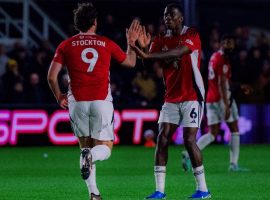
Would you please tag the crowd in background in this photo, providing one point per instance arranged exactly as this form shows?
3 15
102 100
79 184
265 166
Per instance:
23 70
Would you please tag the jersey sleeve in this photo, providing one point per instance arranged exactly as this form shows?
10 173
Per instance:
191 39
117 53
59 54
155 45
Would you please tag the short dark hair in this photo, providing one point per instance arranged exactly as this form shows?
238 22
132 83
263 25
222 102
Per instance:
84 16
227 36
177 6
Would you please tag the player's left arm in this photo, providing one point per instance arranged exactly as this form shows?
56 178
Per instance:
52 77
172 53
132 34
223 89
188 45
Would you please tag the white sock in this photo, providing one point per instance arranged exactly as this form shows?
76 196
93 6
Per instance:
234 148
91 181
100 152
205 140
160 174
200 178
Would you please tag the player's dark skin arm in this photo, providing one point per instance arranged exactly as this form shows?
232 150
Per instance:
172 53
225 99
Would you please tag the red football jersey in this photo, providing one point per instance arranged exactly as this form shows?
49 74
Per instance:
182 77
87 58
217 67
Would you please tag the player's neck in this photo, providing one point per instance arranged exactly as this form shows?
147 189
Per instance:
91 31
177 30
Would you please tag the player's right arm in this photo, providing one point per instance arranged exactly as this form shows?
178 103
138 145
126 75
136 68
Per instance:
172 53
223 90
187 46
52 77
54 70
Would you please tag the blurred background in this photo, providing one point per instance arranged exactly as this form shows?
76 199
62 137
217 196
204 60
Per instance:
30 31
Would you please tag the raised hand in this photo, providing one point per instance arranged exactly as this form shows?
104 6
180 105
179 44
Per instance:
133 32
144 38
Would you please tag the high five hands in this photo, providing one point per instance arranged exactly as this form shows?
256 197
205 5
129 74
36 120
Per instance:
133 32
137 32
144 38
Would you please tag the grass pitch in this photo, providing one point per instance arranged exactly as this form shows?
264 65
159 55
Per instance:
52 173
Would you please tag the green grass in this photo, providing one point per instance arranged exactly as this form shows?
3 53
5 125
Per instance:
26 174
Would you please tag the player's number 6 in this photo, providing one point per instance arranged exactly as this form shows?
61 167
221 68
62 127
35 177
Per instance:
92 61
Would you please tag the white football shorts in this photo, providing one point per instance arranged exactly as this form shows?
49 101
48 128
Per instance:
93 119
186 114
216 112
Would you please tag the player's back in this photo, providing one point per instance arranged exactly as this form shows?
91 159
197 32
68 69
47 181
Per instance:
87 58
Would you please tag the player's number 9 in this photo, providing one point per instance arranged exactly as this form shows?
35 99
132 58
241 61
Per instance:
91 61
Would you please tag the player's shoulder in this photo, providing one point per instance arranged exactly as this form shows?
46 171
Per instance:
217 58
191 31
217 55
72 38
65 42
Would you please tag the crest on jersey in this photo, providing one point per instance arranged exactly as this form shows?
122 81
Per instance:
189 41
